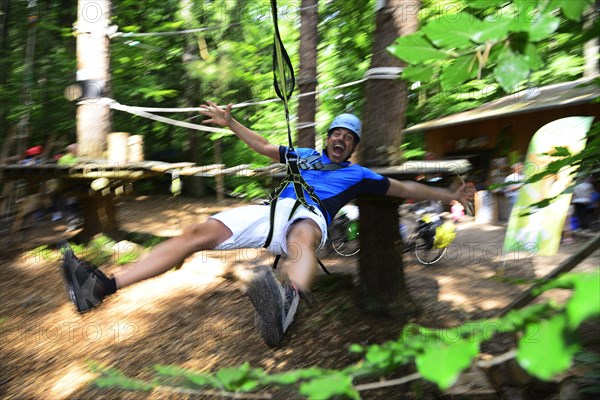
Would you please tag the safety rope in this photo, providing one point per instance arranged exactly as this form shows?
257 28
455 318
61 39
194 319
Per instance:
284 82
283 72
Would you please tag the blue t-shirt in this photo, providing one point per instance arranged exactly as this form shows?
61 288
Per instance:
336 188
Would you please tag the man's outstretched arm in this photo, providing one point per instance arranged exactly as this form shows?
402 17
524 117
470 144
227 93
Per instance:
222 117
418 191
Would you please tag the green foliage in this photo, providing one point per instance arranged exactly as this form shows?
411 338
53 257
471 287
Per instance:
111 377
504 36
413 147
468 52
547 347
250 189
453 359
102 250
550 353
329 386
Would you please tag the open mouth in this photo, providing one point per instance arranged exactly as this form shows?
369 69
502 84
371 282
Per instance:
338 150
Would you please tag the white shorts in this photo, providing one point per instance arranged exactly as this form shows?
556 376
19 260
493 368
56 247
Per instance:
250 225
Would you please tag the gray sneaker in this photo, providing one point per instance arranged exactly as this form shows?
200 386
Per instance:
275 305
83 280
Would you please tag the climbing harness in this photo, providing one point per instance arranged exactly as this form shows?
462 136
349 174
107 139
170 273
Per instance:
284 81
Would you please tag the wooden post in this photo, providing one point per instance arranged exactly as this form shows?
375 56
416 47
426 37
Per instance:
99 217
135 145
93 59
117 147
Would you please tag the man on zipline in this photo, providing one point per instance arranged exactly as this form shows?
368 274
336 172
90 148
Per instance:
298 236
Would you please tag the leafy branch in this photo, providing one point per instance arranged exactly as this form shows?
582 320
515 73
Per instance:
458 46
546 347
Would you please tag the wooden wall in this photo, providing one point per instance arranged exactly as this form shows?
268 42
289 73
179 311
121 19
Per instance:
514 131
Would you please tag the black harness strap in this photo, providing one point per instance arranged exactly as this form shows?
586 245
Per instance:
284 82
278 257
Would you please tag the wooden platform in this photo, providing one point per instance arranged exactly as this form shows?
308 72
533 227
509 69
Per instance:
98 204
144 169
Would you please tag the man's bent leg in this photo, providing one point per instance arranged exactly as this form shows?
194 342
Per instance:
303 240
172 252
276 303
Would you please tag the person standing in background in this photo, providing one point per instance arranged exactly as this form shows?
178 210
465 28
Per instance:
516 181
582 201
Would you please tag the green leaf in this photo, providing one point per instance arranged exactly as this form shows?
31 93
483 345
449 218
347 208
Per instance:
543 26
442 363
493 28
573 9
378 355
552 5
329 386
197 378
415 49
511 69
484 4
414 73
287 378
234 378
460 70
113 377
544 350
525 14
585 301
356 348
533 57
452 31
559 151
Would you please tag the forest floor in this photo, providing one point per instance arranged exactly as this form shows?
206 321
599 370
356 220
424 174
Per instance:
198 317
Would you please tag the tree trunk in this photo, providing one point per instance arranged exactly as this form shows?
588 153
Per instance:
193 185
382 284
5 49
385 99
93 63
381 266
4 43
591 47
307 78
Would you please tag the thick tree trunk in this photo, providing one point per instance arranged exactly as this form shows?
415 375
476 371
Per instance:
93 63
382 284
385 99
381 267
307 78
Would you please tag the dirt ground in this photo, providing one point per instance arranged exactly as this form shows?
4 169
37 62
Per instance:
198 316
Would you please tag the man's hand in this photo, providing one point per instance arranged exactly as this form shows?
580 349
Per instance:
216 115
463 192
222 117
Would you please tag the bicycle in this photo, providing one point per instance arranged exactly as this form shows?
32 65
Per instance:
429 239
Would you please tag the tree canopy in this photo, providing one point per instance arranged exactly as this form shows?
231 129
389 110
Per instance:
466 53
